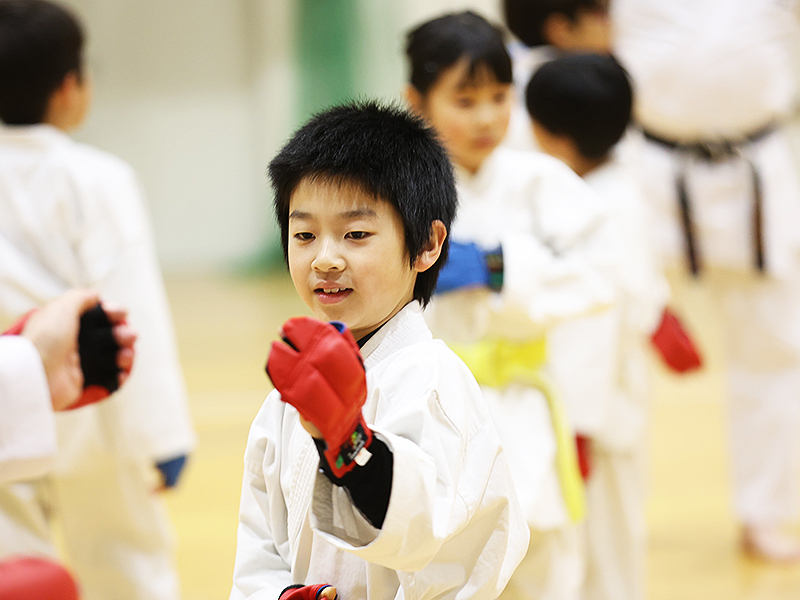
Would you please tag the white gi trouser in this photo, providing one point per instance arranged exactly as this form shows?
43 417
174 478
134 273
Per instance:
706 71
760 313
760 322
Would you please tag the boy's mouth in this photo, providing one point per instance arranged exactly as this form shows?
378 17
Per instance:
332 295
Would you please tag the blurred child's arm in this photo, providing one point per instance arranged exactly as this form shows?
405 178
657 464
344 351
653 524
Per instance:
583 357
450 490
564 268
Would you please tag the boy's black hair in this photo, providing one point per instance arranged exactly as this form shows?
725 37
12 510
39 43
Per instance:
440 43
388 153
526 18
40 43
587 97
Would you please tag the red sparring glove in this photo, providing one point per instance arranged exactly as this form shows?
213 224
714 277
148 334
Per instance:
98 354
318 369
35 578
583 445
304 592
674 345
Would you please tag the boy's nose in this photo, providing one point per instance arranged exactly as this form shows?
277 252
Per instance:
486 117
328 257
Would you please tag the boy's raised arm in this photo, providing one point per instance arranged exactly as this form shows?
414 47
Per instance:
449 502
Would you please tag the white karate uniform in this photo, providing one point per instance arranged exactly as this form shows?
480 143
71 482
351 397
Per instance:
706 70
73 216
453 528
556 258
615 543
28 425
525 62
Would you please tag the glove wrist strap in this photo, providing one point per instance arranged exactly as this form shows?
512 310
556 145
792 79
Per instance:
352 452
494 263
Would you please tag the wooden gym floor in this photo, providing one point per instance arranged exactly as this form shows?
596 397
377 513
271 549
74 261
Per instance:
225 325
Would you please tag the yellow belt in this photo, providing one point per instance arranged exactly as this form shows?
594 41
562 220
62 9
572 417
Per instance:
499 363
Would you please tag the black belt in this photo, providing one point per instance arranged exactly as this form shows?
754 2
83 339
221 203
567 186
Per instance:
713 151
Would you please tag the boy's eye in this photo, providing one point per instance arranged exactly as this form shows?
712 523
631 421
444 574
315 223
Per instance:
357 235
304 236
500 97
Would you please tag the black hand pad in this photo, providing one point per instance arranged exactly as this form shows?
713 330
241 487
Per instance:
98 350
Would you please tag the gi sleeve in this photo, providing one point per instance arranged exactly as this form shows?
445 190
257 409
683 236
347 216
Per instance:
583 358
369 485
27 425
452 514
565 267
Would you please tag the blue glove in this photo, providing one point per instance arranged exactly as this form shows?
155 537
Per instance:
469 266
171 470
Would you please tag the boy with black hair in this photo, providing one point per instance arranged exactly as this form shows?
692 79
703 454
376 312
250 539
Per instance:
402 488
568 25
580 106
74 216
547 29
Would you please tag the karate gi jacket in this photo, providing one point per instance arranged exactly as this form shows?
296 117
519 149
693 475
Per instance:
453 528
707 71
557 266
74 216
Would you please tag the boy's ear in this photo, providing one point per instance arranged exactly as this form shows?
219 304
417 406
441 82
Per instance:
433 249
414 99
67 105
63 97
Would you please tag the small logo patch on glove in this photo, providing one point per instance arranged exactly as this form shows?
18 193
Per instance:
354 449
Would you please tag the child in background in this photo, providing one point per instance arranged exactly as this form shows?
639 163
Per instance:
716 86
528 250
373 470
546 29
580 105
73 216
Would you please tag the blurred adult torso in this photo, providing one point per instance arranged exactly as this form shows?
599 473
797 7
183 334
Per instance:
707 69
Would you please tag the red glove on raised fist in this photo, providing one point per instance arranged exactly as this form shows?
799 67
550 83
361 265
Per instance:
674 345
304 592
318 369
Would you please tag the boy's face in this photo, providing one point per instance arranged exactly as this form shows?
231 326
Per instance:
590 31
347 254
470 114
